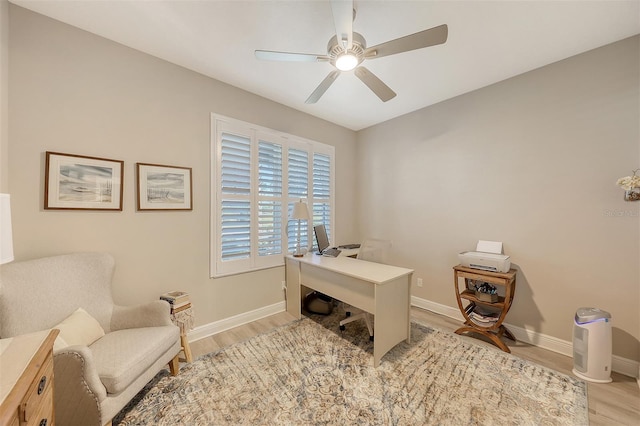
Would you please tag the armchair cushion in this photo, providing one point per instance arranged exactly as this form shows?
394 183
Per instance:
79 328
123 355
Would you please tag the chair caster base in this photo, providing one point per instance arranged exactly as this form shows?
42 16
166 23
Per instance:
371 338
343 328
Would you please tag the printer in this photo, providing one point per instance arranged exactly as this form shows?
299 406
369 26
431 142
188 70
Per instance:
488 257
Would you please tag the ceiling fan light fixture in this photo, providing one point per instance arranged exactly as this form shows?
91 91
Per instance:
346 62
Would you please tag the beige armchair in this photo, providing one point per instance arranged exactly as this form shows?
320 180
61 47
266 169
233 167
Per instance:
92 382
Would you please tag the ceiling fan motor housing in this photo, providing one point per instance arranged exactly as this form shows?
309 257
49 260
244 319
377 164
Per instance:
335 48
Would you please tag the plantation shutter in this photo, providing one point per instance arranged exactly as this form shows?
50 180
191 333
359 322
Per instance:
321 176
298 184
322 193
270 204
298 178
236 164
257 176
236 211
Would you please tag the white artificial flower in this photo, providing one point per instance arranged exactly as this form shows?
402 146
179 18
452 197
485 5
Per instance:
629 182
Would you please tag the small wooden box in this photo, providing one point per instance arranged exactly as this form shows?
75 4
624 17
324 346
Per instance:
486 297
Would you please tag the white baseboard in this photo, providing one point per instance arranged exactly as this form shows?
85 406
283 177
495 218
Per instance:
620 365
228 323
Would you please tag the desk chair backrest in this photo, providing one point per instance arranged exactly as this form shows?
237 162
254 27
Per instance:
374 250
371 250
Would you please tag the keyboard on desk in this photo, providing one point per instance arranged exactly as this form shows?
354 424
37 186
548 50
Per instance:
331 252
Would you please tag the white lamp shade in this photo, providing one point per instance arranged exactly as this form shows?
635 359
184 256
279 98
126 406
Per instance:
6 235
300 211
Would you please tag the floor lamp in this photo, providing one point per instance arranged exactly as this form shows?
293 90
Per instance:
300 212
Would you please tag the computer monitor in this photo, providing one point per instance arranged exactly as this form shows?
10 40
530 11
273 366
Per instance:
321 237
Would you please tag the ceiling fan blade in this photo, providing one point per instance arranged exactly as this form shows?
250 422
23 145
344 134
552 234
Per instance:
343 18
328 81
426 38
375 84
269 55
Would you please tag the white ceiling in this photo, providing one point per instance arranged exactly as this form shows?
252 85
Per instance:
489 41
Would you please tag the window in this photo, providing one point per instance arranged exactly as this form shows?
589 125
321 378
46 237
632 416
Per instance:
257 175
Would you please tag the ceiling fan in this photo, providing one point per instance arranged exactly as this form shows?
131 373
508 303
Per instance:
347 50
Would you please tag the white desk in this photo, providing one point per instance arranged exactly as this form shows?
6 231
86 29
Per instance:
381 290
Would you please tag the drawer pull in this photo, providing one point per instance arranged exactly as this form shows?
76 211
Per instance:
41 386
43 422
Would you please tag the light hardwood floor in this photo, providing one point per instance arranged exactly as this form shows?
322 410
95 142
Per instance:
616 403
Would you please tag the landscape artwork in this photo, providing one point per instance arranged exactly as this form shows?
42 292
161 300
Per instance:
163 187
84 183
80 182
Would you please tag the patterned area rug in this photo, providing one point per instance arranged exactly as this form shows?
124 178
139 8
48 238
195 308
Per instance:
304 373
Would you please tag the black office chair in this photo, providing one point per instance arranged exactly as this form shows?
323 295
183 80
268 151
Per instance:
371 250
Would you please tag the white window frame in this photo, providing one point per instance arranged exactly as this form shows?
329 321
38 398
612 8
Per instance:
220 125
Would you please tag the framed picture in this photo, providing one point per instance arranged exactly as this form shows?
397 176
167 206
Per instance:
78 182
163 187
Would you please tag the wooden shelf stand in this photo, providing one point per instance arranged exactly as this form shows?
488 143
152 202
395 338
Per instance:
495 330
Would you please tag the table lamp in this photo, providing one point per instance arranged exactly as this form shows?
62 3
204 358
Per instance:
300 212
6 236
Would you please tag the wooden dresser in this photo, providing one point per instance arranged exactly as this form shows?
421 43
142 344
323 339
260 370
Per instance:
26 379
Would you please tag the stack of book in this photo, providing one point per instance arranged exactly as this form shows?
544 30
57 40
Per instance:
485 320
179 300
483 317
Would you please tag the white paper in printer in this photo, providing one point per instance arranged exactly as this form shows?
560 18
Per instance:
489 247
488 257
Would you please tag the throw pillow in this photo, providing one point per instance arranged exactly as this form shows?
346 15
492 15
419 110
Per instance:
79 328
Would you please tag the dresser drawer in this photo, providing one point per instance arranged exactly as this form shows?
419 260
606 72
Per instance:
44 414
38 403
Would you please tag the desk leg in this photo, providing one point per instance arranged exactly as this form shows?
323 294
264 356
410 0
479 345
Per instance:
392 322
292 296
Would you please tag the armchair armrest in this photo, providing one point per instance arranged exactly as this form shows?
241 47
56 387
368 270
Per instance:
152 314
78 390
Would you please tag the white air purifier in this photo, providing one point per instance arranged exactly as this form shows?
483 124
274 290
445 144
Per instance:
592 345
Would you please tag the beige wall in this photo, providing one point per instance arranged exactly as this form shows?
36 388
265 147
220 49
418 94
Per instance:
4 96
74 92
531 161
